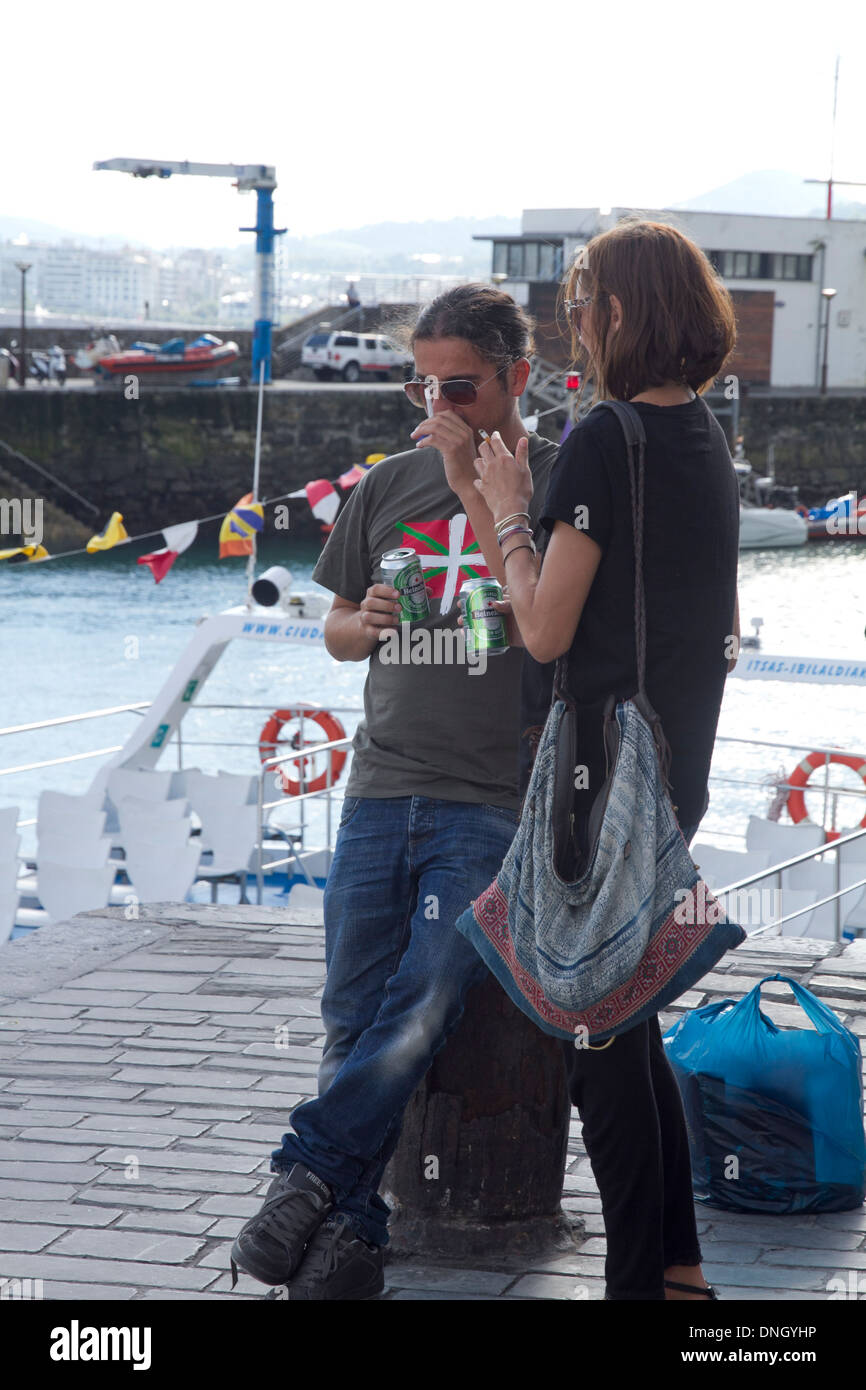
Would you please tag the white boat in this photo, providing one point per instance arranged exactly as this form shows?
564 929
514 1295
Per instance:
763 527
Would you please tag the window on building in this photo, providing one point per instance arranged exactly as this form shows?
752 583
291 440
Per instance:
515 260
545 261
761 265
530 260
500 257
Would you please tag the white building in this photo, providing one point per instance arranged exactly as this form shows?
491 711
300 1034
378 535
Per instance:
775 268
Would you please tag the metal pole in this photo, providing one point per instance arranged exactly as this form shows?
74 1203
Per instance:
257 458
23 266
260 883
826 344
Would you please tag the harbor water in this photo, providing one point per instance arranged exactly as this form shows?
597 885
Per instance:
95 631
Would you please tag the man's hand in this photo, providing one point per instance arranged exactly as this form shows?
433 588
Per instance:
380 608
352 630
455 440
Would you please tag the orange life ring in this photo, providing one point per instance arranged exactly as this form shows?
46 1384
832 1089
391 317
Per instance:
331 728
799 778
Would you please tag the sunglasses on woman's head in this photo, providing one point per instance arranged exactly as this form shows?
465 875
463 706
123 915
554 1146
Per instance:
456 390
574 306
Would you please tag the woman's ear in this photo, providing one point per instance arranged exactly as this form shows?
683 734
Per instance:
615 313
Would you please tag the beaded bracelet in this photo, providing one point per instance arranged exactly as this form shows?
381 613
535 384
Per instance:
509 553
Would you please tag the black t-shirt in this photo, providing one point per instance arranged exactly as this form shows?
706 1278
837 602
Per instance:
691 531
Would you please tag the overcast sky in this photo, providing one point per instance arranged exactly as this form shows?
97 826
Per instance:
385 110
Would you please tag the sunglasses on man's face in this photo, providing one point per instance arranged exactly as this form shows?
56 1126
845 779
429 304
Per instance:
456 390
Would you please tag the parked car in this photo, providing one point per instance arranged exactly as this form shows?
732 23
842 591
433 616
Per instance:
352 356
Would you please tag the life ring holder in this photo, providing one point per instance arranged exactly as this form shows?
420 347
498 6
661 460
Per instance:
331 728
799 779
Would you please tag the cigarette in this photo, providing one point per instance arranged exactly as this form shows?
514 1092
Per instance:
484 435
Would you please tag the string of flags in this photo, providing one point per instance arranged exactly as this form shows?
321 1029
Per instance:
326 499
238 531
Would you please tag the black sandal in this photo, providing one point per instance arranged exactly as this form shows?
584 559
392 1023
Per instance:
708 1292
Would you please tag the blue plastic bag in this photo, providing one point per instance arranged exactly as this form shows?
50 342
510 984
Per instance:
775 1116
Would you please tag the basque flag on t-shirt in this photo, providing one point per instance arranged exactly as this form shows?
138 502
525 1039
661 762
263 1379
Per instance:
449 555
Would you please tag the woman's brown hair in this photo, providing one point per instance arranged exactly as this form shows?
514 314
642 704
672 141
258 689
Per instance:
677 317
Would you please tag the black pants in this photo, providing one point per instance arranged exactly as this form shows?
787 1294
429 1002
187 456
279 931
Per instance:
635 1134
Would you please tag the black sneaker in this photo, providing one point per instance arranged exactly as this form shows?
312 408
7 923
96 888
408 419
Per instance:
337 1265
271 1244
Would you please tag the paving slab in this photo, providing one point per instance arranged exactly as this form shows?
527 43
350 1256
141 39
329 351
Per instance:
164 1043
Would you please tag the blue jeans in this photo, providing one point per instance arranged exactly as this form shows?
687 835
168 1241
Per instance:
398 970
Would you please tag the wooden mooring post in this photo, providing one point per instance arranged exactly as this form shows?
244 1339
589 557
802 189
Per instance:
478 1170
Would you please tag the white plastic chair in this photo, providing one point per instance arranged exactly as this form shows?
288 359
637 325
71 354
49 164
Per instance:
138 810
723 866
229 833
782 841
225 789
8 912
162 874
141 783
75 851
65 889
65 815
10 844
8 821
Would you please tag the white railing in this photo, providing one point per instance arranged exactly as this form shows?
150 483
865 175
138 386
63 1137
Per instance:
776 870
296 836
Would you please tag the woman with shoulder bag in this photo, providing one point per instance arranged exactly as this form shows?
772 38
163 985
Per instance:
656 325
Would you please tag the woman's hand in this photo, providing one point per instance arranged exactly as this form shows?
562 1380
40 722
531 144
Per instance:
455 441
511 628
504 479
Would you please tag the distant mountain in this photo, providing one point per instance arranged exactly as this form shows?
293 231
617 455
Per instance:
395 246
773 192
34 230
403 246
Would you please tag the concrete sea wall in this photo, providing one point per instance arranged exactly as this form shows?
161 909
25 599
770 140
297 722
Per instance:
175 455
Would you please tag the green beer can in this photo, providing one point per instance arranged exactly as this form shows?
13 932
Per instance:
484 627
402 569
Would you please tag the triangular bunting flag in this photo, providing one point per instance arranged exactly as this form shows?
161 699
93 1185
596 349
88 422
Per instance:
113 533
324 500
30 552
178 538
239 527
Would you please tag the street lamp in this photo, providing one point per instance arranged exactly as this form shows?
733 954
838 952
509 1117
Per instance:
828 295
23 266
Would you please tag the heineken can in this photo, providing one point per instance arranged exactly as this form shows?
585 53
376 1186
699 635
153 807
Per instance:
402 569
484 627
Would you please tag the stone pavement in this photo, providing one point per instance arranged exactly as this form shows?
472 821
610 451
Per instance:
147 1068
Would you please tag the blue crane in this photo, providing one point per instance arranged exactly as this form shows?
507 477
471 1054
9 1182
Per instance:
259 177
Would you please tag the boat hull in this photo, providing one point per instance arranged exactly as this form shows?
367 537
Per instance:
763 528
160 368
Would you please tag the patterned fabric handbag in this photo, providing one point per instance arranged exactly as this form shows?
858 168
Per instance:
598 944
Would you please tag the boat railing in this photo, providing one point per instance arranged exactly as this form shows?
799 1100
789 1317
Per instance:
38 725
296 835
775 871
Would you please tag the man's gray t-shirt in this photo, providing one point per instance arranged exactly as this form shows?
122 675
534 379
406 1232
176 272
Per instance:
440 729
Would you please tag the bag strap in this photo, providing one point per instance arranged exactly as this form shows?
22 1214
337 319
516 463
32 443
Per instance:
635 443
